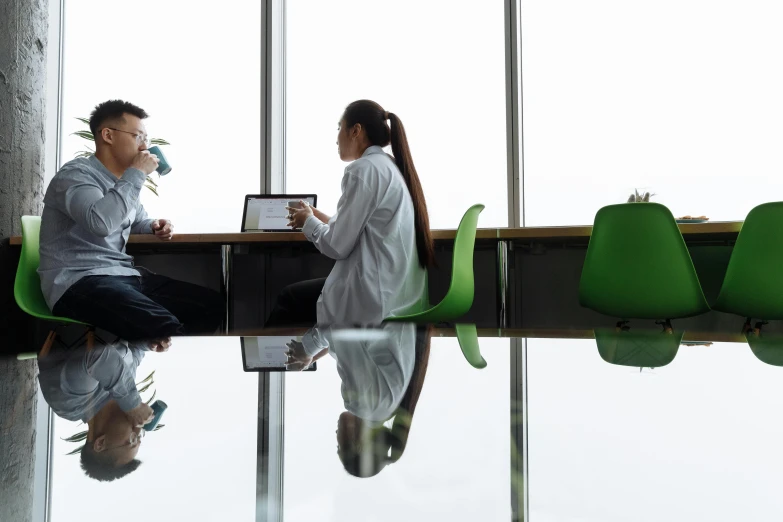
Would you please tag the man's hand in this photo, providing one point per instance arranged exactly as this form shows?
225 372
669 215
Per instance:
163 229
145 162
297 359
140 415
160 345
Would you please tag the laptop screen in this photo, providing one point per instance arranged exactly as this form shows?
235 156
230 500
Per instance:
268 213
265 354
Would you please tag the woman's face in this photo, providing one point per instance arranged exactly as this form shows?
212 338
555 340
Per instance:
346 142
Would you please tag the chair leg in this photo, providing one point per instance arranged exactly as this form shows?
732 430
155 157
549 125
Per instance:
747 328
467 336
90 338
622 326
47 346
666 325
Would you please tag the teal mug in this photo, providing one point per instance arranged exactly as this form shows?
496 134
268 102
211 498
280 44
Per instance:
158 407
163 165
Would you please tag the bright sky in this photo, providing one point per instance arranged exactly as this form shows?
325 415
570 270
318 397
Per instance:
681 98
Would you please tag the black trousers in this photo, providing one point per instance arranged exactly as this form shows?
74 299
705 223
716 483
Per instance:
296 304
148 307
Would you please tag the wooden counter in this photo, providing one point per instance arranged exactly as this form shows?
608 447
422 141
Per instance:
724 229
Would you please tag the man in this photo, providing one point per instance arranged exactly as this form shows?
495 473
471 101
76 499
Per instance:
90 208
98 387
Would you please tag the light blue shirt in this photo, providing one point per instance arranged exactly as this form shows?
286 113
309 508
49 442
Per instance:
78 383
87 217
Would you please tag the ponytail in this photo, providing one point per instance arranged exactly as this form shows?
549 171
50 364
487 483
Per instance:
404 161
403 418
373 118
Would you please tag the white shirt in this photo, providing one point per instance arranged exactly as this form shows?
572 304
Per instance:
373 238
375 365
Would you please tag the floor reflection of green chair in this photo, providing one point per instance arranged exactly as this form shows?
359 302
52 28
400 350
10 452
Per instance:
642 349
753 285
459 297
27 286
768 349
638 267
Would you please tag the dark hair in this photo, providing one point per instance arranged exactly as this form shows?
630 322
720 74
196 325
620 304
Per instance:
112 110
100 465
388 445
372 118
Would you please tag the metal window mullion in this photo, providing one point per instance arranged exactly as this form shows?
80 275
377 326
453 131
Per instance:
273 97
514 144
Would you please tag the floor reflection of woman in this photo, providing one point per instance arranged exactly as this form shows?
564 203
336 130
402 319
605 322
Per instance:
382 373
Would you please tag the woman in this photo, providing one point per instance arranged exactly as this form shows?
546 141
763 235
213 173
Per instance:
379 236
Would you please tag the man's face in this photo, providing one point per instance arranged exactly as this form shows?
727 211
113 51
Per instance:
121 441
126 137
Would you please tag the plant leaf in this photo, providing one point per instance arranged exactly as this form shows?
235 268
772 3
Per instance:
152 189
159 141
83 120
159 426
154 393
146 387
82 435
87 135
77 450
149 377
83 154
151 181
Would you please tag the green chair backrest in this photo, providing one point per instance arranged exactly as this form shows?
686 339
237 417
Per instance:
768 349
459 297
643 349
27 285
638 267
753 285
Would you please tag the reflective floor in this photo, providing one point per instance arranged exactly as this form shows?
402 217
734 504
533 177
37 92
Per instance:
632 427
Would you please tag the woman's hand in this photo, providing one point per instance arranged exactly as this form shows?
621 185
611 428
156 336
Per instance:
297 358
298 216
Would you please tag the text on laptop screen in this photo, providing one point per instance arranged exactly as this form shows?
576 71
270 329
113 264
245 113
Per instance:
268 213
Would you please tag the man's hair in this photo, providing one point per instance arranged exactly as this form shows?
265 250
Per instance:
113 110
100 465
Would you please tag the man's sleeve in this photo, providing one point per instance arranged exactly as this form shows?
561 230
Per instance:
78 195
143 223
105 364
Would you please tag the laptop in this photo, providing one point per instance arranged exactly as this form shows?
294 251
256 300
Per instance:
267 354
267 213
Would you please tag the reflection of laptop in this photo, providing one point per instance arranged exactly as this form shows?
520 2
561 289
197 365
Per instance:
267 213
267 354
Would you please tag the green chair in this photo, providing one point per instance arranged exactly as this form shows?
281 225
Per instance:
638 267
643 349
459 297
27 285
768 349
753 285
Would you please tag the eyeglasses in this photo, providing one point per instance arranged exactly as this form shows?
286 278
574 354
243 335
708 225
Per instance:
134 440
140 138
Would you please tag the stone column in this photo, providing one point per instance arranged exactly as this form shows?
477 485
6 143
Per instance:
23 39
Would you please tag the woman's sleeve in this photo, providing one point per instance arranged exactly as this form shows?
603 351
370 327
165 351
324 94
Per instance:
338 238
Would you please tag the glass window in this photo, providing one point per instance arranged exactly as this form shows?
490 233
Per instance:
678 98
439 65
197 73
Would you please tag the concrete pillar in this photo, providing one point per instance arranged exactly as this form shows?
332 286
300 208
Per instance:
23 41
